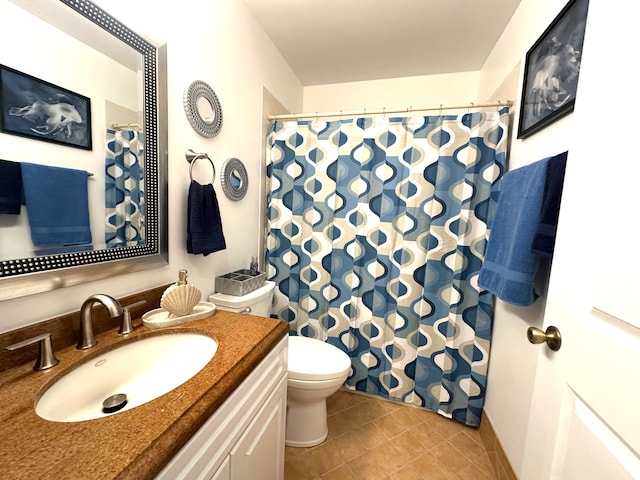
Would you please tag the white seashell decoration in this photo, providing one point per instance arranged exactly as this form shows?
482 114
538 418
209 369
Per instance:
181 299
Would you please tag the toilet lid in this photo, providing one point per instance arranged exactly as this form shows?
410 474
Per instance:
311 359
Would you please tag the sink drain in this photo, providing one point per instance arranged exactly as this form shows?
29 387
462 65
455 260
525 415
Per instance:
114 403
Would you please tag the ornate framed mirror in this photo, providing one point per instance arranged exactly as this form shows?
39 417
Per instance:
133 86
203 109
234 179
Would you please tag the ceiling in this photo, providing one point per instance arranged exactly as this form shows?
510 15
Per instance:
336 41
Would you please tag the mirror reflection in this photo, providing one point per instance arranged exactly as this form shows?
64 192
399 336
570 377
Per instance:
118 186
236 180
205 110
117 155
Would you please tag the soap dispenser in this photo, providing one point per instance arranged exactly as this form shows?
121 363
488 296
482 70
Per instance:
181 297
253 266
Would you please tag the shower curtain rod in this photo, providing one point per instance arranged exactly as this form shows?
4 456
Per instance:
294 116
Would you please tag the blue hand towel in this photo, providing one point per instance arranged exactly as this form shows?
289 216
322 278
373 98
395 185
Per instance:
204 225
545 237
509 266
57 204
10 187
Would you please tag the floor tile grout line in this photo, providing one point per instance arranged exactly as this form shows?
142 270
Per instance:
475 463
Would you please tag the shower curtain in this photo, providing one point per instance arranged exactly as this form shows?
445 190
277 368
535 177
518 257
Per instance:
377 230
124 189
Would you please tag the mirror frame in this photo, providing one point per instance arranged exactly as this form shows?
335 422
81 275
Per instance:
234 166
196 91
26 276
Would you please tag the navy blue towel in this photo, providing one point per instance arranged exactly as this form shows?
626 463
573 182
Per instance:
57 201
545 237
509 266
204 225
10 187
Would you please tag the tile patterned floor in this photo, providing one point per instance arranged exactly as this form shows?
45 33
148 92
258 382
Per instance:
373 439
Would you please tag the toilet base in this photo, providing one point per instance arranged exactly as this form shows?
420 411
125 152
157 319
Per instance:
310 443
306 423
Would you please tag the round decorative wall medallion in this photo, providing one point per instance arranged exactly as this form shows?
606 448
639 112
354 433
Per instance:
203 109
234 179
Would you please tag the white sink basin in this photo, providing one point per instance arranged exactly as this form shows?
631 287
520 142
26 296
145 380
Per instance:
142 370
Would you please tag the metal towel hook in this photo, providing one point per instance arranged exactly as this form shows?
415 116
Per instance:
192 157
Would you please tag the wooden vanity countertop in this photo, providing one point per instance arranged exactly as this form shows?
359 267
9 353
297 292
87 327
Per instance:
137 443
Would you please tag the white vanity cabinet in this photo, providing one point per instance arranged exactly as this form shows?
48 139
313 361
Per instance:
244 438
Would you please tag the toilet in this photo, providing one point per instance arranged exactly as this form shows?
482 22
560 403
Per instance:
316 370
257 302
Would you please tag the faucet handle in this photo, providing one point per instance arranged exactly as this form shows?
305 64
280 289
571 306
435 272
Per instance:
126 324
46 358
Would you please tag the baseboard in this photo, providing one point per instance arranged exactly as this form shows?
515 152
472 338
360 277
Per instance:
496 454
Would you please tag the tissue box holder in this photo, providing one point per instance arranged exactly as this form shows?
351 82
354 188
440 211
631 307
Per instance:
240 282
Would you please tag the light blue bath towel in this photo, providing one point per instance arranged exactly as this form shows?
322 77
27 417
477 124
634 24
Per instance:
509 267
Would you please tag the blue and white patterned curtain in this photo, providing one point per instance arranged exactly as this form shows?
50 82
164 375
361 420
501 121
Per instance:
377 230
124 189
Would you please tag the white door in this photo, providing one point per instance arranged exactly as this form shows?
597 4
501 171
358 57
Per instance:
585 410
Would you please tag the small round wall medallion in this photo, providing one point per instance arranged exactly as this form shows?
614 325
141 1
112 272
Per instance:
203 109
234 179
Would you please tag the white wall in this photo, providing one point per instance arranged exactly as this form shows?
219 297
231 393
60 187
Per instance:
513 360
219 43
391 94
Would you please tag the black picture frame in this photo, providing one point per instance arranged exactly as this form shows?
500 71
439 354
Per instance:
552 69
34 108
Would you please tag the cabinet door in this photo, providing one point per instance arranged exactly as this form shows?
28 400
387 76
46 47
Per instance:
259 453
223 472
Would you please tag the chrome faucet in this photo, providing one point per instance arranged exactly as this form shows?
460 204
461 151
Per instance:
87 337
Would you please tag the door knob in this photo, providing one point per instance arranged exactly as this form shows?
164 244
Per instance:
551 336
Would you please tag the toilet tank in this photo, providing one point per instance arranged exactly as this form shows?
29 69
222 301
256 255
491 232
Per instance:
257 302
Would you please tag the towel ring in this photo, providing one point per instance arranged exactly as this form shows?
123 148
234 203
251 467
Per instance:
193 156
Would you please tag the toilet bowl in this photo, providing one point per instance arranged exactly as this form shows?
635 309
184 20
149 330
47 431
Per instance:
315 370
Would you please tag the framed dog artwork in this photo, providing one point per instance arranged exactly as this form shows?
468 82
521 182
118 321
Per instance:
33 108
552 69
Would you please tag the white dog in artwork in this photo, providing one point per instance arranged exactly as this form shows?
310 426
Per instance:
51 118
558 67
